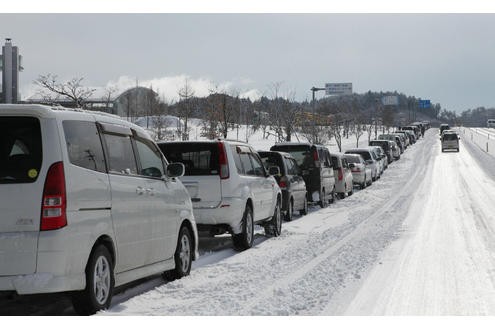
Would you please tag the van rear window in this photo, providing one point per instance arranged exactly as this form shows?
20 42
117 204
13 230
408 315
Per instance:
301 153
20 149
450 136
198 158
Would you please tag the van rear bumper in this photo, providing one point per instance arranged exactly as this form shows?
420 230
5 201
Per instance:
229 212
40 283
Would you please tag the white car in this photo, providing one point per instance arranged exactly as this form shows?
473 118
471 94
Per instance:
88 203
370 160
380 156
344 185
229 188
361 173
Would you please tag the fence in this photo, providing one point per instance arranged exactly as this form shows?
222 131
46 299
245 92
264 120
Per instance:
484 138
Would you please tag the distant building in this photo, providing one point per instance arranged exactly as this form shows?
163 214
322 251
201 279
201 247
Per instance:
11 65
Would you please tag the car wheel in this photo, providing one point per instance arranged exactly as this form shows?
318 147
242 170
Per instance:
351 191
323 199
182 257
290 210
99 283
334 195
304 210
274 226
244 240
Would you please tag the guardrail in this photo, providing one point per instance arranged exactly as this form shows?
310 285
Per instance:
481 137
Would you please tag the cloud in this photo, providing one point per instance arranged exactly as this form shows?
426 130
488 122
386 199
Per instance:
167 87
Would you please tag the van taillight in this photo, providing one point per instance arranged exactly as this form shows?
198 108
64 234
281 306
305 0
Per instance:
222 160
316 158
53 206
341 174
282 184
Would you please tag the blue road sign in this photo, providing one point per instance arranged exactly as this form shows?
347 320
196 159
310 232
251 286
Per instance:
424 103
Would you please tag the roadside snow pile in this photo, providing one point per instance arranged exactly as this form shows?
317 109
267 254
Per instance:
303 271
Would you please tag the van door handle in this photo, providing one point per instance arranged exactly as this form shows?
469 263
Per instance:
139 190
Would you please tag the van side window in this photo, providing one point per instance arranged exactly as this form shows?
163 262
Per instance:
121 158
84 145
237 160
327 162
257 165
247 166
150 159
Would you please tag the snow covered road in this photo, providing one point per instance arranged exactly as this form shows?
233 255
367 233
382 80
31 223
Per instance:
313 267
445 263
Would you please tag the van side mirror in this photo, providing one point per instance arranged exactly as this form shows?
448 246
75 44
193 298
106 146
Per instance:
274 170
175 170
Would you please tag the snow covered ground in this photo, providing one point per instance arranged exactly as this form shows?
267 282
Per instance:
421 240
307 269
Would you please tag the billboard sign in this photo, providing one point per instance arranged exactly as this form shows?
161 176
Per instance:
338 89
390 101
424 103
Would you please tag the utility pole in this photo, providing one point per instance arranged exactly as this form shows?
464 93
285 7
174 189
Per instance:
314 89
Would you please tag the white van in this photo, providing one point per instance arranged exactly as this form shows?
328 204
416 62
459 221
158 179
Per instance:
88 202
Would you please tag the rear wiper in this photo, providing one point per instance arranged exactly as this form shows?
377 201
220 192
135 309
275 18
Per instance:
7 178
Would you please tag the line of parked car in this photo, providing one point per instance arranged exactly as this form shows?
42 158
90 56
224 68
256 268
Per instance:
89 202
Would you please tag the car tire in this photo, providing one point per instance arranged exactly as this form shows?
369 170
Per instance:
274 226
351 191
100 282
304 210
323 200
244 240
334 195
183 256
290 210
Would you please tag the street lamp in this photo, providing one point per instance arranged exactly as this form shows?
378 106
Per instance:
314 89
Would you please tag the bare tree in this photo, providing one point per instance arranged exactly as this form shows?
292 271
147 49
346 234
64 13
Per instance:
185 107
72 89
108 95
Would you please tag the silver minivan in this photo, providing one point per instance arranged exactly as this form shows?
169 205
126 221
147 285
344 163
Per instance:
450 140
88 203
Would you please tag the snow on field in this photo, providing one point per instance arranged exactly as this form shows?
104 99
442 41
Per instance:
255 138
303 271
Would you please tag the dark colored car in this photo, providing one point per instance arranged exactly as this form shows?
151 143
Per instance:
385 146
316 166
444 127
289 180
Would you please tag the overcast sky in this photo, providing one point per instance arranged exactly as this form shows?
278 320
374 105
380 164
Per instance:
449 59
